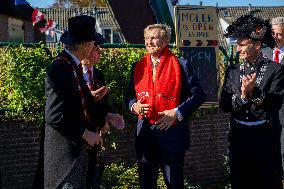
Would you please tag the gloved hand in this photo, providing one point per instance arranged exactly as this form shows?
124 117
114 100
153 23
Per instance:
116 120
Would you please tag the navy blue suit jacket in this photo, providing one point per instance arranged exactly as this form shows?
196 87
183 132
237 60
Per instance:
103 105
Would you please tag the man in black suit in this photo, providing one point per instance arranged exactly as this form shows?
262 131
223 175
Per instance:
70 108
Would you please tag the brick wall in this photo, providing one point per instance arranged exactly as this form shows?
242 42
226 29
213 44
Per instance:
29 32
3 27
204 161
19 147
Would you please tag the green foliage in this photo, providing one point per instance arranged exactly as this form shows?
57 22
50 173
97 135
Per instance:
119 176
221 67
116 64
111 174
22 72
225 58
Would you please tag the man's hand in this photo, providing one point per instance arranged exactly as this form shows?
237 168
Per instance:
248 83
91 138
168 119
141 109
99 93
116 120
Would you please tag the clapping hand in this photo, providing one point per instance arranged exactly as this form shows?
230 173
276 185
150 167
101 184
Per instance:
248 83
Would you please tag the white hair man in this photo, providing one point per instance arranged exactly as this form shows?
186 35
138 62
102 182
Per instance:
163 92
276 54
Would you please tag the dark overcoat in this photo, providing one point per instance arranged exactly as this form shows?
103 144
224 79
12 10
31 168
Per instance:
65 121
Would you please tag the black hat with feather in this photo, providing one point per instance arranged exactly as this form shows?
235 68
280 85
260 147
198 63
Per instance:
251 27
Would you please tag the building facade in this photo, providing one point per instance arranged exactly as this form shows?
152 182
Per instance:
16 24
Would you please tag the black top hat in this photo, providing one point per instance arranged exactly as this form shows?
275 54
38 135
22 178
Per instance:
81 29
251 27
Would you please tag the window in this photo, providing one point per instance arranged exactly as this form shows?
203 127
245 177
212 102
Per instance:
107 33
16 30
111 36
227 13
116 37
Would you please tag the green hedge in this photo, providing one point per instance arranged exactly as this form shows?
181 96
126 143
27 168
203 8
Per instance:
120 176
22 72
116 64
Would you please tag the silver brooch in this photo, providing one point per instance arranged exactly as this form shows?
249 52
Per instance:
259 32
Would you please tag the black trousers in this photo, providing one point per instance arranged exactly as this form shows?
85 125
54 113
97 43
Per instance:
255 157
150 158
95 168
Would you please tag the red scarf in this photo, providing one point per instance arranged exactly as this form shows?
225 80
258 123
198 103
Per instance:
164 92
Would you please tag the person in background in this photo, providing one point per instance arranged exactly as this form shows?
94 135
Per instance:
276 53
163 92
96 83
253 93
70 114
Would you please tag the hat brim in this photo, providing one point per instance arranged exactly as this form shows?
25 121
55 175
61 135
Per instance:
99 39
69 39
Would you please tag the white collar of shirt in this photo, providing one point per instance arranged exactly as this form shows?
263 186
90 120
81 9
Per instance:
85 69
152 59
281 49
281 53
77 61
86 74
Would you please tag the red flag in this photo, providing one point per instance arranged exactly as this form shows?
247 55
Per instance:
42 30
49 26
37 16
